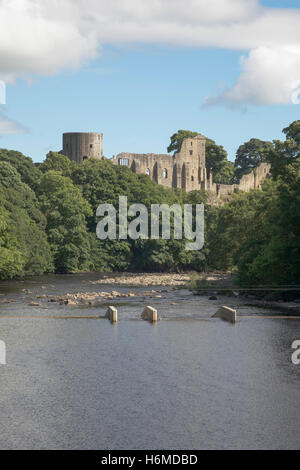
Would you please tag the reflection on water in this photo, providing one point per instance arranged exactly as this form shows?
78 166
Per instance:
189 383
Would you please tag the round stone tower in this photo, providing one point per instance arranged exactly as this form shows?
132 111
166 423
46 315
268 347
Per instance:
79 146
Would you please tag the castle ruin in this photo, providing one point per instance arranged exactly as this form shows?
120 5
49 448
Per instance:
80 146
185 169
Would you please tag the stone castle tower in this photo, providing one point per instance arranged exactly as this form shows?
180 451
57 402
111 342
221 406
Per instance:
79 146
186 169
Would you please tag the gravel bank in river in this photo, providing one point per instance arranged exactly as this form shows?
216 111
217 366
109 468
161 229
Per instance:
151 279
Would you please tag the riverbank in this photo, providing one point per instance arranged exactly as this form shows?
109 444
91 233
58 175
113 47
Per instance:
176 295
223 284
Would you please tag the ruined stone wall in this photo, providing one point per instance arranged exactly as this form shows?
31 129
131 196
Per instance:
225 189
159 167
186 169
79 146
253 180
190 164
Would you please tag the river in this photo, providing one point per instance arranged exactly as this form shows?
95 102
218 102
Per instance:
188 382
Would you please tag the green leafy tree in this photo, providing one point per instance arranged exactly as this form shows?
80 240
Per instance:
216 156
271 253
27 170
102 182
11 257
177 138
48 216
58 162
230 229
24 246
292 132
216 159
66 211
250 155
285 153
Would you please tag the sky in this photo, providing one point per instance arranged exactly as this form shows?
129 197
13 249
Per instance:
138 71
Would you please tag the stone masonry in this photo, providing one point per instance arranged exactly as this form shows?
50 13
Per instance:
185 169
79 146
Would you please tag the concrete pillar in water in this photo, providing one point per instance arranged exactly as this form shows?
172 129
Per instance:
149 314
112 314
2 353
226 313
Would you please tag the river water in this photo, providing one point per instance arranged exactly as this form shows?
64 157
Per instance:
189 382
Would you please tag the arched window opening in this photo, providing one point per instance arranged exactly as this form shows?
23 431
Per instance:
148 172
123 161
165 174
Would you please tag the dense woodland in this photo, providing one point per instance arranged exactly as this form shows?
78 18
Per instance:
48 221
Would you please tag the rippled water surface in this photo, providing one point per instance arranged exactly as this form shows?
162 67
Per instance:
189 382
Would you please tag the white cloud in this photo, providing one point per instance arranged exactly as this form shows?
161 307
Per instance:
42 37
31 42
269 76
9 126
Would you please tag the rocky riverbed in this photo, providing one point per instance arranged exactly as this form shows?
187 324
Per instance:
172 293
153 279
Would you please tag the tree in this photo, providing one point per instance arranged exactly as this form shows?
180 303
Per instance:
293 131
216 159
66 212
11 257
271 253
224 172
27 170
58 162
23 242
177 138
230 229
216 156
250 155
48 216
102 182
285 153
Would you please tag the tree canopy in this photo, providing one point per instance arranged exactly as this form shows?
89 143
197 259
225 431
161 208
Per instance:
216 156
250 155
216 159
24 248
177 138
48 216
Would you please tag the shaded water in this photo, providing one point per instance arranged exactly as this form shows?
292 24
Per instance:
189 382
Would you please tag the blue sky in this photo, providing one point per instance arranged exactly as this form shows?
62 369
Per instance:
138 95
